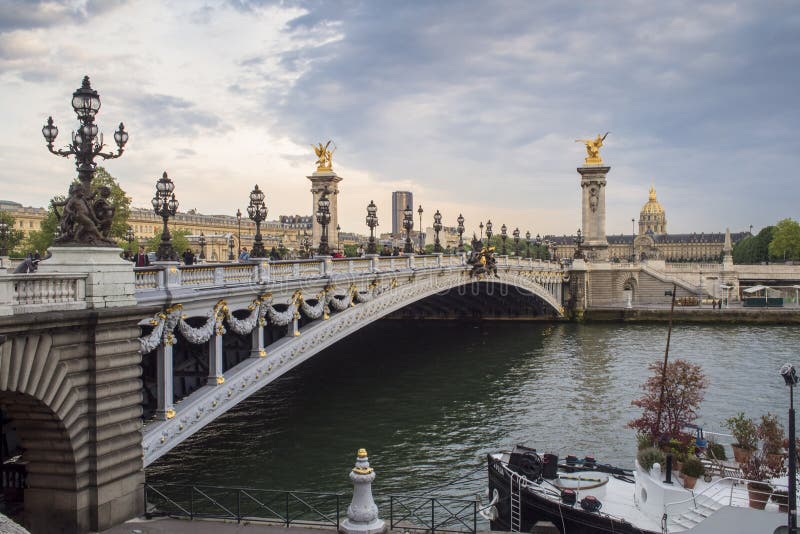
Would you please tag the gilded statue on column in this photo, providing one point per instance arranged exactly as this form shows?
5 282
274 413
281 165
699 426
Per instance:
593 149
324 156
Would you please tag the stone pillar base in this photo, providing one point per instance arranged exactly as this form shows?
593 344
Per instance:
110 282
376 526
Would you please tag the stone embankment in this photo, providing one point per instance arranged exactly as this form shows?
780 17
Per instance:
697 315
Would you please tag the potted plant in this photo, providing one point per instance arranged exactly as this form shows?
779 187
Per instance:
781 498
758 470
692 469
771 433
745 433
649 456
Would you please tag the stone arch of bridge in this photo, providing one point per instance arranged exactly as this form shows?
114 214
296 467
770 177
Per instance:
206 404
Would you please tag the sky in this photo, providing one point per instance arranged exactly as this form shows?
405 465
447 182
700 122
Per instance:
472 106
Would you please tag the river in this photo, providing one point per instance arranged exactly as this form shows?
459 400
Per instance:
428 400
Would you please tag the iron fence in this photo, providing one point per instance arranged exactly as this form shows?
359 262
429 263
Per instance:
243 504
433 514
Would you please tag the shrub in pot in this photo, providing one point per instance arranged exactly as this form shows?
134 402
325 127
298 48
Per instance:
649 456
757 469
746 435
716 451
692 469
771 433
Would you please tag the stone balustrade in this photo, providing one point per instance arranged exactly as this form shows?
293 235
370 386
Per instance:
34 293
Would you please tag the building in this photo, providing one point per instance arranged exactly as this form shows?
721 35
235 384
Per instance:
653 242
400 201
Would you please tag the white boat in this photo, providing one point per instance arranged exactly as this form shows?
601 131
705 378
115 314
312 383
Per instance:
585 497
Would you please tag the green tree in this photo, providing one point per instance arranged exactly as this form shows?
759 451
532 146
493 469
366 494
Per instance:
42 238
179 242
754 249
785 242
14 236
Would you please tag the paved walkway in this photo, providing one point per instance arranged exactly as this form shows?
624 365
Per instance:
185 526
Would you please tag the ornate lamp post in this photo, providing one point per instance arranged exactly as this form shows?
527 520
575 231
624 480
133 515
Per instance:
421 244
481 227
790 378
306 244
372 222
129 237
257 212
528 244
324 219
165 205
460 229
489 233
515 233
338 237
504 236
230 248
553 249
437 227
239 223
538 243
202 243
408 224
578 243
3 238
86 145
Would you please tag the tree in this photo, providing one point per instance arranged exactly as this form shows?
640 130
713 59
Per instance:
14 237
684 389
785 242
754 249
179 241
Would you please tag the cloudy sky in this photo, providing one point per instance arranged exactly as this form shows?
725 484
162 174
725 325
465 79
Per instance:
473 106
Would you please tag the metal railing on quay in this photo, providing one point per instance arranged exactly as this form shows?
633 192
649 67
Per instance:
244 504
432 514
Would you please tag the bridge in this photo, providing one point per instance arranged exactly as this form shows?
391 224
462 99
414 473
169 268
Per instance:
97 393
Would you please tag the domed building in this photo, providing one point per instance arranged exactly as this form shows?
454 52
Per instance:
652 218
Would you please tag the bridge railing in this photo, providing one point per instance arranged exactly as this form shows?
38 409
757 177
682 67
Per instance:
244 504
34 292
432 514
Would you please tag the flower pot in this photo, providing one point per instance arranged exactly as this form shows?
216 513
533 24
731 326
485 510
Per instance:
689 482
741 455
759 493
782 500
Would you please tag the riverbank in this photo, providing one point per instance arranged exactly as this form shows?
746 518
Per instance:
695 315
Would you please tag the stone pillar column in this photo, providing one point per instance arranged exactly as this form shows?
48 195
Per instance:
319 181
593 211
215 374
165 409
362 514
257 349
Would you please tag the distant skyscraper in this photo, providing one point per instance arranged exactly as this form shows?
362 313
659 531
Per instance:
400 200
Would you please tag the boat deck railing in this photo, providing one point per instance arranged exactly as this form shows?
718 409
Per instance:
725 491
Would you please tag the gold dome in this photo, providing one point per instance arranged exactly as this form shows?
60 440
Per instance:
652 207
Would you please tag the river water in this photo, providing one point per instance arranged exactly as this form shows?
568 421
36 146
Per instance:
429 399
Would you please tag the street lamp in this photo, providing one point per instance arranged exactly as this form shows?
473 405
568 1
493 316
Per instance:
528 244
82 228
553 249
437 227
3 238
257 212
306 244
239 223
165 205
481 227
460 229
323 218
633 239
504 236
578 243
489 233
230 247
129 237
790 378
421 244
538 243
372 222
202 242
408 224
338 237
515 233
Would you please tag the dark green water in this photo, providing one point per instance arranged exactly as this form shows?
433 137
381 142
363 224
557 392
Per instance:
428 400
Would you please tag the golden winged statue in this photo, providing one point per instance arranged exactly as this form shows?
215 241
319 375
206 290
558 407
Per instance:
593 149
324 156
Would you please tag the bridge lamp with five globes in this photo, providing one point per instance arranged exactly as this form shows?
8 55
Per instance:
165 205
504 236
257 212
437 227
515 233
489 232
323 218
528 244
372 222
460 229
408 224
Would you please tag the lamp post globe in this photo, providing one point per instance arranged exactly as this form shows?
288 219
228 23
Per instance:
437 227
460 229
372 222
257 212
165 205
408 224
504 236
515 233
85 147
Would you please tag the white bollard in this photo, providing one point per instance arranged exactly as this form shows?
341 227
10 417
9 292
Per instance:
362 514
